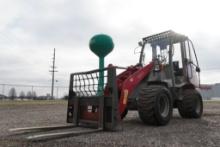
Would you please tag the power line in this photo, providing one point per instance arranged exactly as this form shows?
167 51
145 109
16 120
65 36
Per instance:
26 85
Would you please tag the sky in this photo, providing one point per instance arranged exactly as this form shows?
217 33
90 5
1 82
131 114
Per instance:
31 29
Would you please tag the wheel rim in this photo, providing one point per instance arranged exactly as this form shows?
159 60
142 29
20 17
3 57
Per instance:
198 106
164 106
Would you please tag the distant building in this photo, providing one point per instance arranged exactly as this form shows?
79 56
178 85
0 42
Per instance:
216 90
210 91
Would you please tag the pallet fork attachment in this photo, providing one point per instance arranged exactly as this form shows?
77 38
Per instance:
87 108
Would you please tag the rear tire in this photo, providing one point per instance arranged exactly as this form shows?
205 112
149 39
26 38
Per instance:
191 105
155 105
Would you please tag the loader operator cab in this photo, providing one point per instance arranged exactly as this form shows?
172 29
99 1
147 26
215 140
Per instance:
173 56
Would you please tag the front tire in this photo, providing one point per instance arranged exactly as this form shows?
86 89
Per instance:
155 105
191 105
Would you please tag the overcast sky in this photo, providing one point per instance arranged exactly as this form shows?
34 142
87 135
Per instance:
30 29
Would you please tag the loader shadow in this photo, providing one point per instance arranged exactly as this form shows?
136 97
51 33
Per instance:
137 122
133 118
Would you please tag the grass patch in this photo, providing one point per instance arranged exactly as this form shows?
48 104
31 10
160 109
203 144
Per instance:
212 101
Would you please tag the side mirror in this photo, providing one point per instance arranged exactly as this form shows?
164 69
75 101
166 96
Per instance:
137 50
140 43
197 69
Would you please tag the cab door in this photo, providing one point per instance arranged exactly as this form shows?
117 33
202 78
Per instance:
192 64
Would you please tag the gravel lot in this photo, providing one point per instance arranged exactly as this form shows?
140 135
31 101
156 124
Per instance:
179 132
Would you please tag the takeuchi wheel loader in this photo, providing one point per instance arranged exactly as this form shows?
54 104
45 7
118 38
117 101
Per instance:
169 79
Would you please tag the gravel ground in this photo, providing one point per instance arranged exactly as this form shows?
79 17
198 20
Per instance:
180 132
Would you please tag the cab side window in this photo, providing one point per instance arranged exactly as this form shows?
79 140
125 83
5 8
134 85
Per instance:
190 55
177 54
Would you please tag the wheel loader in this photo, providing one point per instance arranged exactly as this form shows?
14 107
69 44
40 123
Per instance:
166 76
168 80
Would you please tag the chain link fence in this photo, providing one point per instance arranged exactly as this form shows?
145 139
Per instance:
19 91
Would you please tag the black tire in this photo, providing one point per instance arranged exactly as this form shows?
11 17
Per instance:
155 105
123 115
191 105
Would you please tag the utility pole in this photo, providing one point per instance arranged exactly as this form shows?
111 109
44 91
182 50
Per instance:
53 67
3 89
32 92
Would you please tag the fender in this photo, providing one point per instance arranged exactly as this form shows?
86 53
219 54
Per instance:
130 83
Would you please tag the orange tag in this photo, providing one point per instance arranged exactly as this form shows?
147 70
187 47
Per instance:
125 99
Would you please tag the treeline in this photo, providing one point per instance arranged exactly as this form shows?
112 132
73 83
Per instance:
31 95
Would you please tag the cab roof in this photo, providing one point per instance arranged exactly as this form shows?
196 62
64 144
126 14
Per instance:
165 38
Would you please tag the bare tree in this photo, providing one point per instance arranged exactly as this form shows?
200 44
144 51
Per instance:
12 93
22 95
29 95
34 95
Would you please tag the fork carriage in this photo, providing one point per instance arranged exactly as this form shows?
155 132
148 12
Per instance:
90 105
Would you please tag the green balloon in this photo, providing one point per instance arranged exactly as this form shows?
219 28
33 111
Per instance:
101 45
